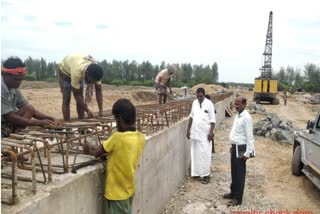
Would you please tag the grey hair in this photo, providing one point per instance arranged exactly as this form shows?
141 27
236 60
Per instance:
171 68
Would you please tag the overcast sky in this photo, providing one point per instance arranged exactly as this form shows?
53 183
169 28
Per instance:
231 33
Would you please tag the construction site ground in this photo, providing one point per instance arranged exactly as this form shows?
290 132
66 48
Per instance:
270 185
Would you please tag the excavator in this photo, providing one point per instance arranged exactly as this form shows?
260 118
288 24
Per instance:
266 87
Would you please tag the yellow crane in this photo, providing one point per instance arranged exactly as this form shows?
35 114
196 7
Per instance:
266 87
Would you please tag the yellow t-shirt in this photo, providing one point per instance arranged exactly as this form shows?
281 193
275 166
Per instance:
124 150
73 66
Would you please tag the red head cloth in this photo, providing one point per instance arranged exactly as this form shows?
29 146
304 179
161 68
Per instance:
15 71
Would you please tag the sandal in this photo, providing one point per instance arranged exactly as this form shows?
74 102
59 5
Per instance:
205 180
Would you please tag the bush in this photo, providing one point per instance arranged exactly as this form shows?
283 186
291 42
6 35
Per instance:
148 82
191 83
179 84
29 77
135 83
223 84
119 82
283 86
311 87
51 79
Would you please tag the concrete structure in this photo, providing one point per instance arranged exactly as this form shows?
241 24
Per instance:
164 164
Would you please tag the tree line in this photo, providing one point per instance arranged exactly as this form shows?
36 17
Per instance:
291 79
134 73
130 72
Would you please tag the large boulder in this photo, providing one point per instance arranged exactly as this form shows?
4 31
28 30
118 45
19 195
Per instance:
275 121
283 136
257 126
253 108
286 125
267 126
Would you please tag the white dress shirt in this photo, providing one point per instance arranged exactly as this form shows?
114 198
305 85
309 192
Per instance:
242 132
202 117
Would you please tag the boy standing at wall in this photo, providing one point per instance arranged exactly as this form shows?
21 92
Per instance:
124 149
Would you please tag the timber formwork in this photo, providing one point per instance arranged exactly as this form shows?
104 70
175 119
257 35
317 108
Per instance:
54 150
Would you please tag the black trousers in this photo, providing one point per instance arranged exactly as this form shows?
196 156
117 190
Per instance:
238 175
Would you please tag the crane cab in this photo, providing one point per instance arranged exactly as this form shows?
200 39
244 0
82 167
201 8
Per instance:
266 90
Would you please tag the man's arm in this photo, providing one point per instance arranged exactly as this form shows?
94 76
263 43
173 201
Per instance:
41 116
99 98
78 95
249 137
190 120
212 117
18 120
169 85
95 150
189 127
159 79
211 135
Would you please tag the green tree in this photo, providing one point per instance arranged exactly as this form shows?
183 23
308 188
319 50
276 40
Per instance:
298 81
290 75
215 73
146 71
163 65
312 73
185 73
281 75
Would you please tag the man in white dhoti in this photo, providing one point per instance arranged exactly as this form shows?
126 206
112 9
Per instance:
200 130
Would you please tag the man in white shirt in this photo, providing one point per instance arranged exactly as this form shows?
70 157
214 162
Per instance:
242 141
200 130
163 79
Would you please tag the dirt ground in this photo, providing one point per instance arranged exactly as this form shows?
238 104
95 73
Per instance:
48 99
270 186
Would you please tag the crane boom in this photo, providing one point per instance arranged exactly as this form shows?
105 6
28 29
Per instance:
266 69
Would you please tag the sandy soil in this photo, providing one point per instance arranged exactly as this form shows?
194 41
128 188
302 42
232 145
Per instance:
47 98
269 184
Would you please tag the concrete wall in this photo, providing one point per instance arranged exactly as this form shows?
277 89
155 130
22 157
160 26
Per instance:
164 164
221 108
70 193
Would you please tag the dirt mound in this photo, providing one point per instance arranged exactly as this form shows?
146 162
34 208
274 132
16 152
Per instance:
209 89
145 96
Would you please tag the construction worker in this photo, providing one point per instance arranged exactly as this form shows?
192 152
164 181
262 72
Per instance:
124 149
75 70
162 81
16 111
285 97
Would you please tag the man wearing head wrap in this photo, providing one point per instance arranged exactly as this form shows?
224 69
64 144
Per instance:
74 71
16 112
163 80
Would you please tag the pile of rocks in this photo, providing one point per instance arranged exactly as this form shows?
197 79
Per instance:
272 126
254 108
315 99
